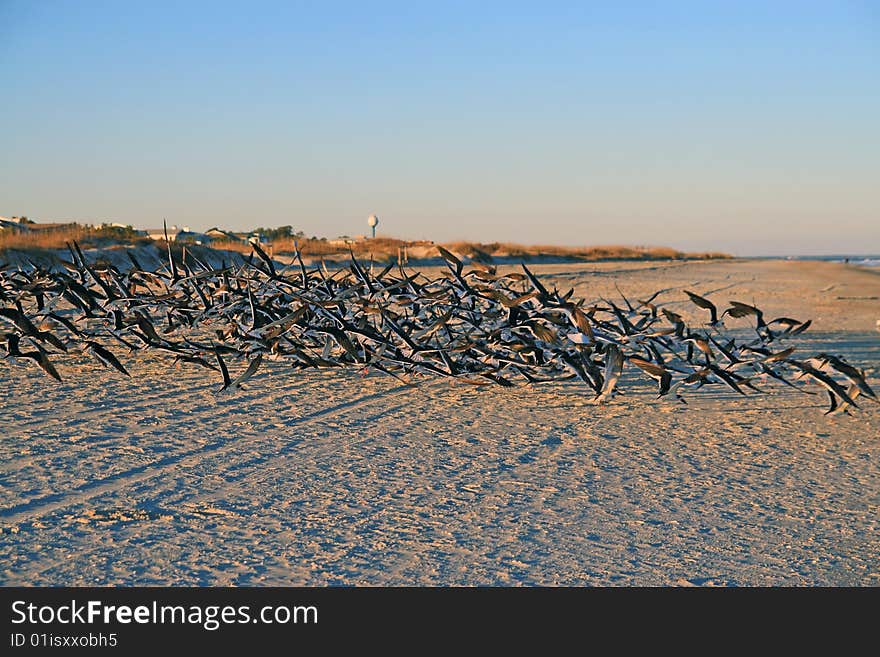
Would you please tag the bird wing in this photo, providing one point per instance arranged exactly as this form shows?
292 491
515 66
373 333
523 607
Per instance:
613 369
43 361
252 367
454 262
223 370
702 302
106 356
649 368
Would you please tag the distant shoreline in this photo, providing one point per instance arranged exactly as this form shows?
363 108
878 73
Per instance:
843 258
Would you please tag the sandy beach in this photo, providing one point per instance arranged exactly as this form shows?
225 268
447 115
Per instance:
334 478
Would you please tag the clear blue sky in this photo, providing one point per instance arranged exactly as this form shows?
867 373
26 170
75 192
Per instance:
752 127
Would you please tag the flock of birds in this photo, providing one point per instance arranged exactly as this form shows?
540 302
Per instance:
471 324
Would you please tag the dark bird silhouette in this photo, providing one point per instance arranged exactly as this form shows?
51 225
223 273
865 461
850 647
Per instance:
37 355
105 356
704 303
656 372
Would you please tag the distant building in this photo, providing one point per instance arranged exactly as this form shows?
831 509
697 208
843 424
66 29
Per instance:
185 234
220 234
191 237
159 233
19 224
342 240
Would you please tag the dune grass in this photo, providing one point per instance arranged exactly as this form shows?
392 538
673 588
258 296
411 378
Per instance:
610 252
58 237
380 248
386 248
44 239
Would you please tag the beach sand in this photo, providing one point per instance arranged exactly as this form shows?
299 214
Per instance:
334 478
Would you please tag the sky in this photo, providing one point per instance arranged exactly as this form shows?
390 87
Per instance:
747 127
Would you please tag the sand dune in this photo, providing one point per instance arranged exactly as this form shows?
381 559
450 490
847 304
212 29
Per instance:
329 477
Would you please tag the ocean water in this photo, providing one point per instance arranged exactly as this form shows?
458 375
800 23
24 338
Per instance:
858 260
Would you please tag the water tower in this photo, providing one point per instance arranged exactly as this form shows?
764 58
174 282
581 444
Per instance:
372 222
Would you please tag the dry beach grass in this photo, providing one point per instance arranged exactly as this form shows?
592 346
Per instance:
387 248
